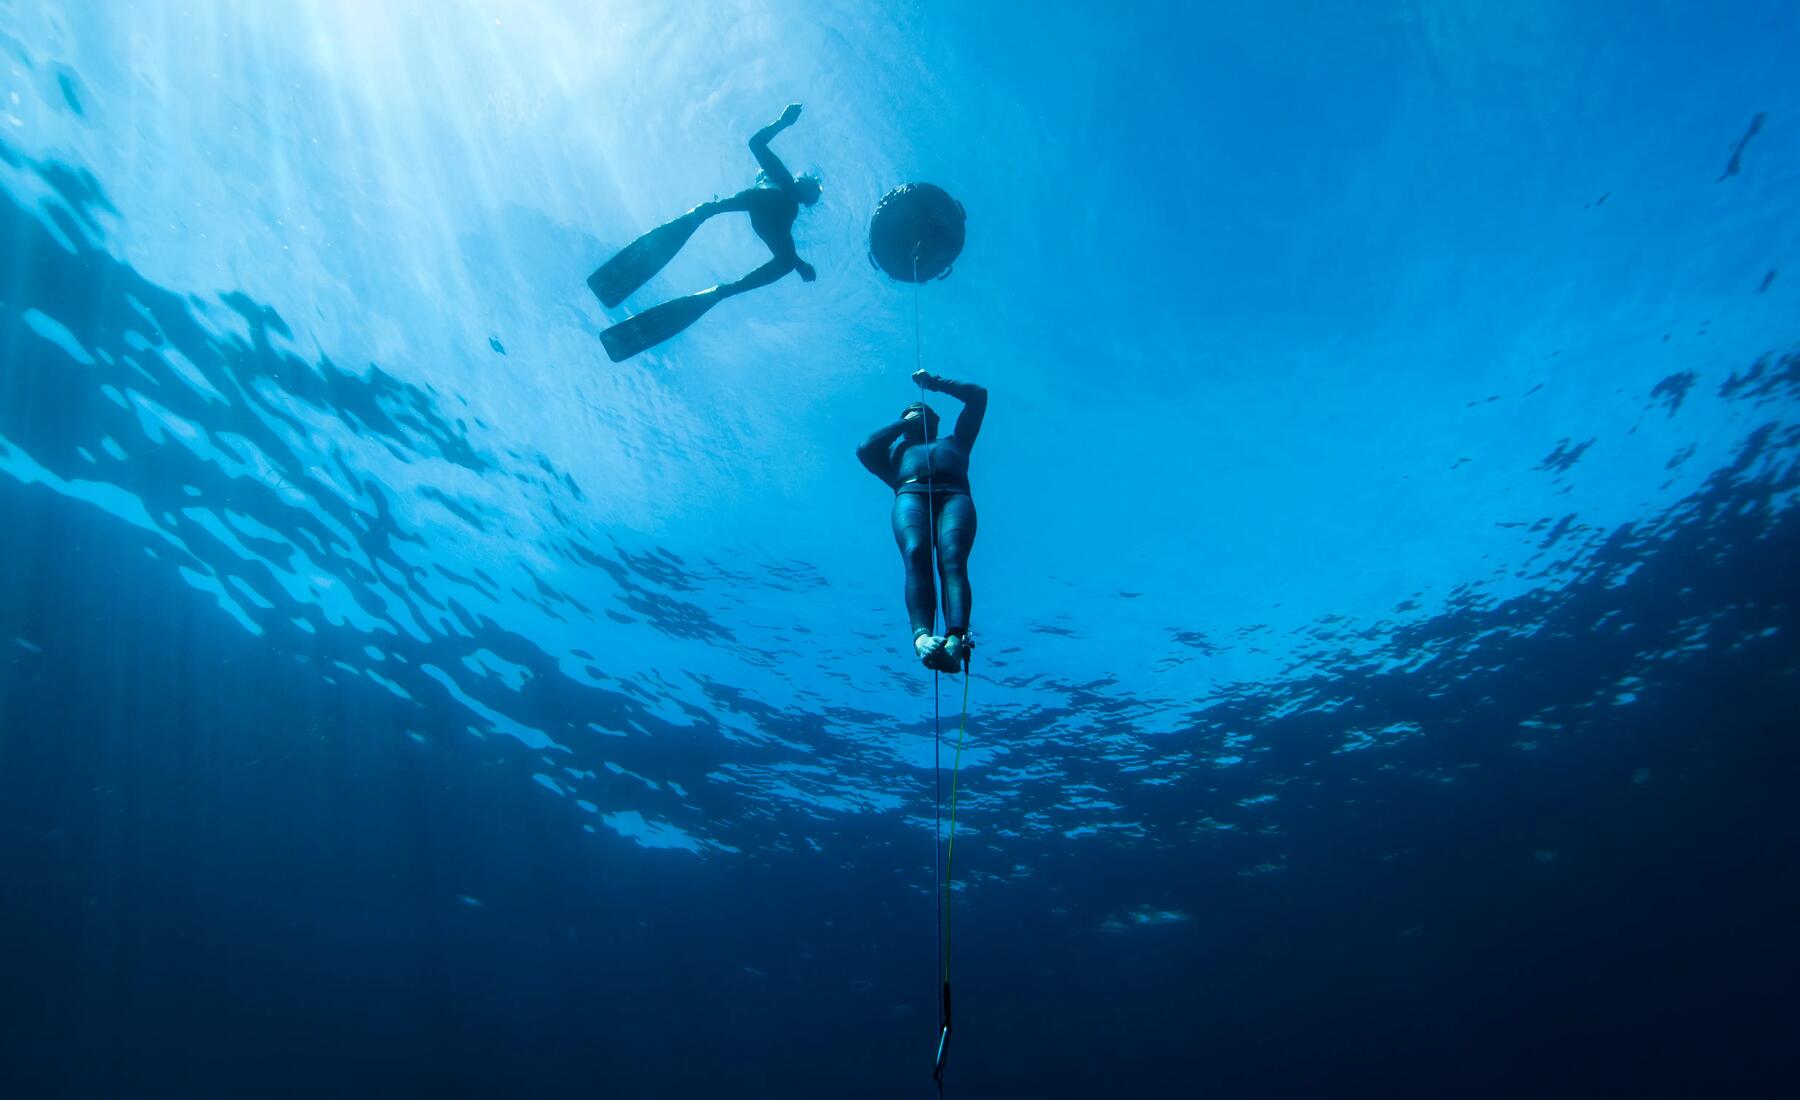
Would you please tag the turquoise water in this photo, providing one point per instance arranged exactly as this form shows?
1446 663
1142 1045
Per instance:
1384 582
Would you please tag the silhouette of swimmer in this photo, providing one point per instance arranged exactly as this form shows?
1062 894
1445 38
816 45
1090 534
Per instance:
1737 151
772 205
929 474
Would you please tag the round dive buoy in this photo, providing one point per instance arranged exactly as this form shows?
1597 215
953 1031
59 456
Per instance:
916 233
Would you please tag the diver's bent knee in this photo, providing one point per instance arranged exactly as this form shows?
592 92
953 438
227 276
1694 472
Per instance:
953 550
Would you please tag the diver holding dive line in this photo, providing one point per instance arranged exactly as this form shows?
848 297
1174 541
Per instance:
773 205
915 235
930 478
934 518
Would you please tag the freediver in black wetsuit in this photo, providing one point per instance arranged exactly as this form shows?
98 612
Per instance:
926 472
772 205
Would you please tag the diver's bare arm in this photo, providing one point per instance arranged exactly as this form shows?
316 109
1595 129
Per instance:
759 148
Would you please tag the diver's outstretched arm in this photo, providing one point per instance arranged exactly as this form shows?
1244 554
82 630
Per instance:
973 397
759 147
873 453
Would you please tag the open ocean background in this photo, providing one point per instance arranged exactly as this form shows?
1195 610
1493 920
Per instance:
1386 585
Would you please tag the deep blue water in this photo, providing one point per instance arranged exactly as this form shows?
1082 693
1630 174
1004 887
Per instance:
1386 580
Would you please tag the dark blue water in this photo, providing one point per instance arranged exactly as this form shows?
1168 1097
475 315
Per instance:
406 701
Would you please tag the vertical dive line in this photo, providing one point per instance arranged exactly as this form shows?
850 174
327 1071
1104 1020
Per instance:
937 831
938 899
950 849
924 429
918 342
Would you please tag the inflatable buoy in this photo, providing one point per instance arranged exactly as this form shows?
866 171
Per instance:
916 233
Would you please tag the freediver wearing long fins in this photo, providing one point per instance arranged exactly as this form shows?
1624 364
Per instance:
773 205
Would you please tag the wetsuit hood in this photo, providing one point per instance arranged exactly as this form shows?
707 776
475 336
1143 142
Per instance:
930 414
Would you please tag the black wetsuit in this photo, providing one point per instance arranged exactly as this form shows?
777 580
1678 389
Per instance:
772 211
925 475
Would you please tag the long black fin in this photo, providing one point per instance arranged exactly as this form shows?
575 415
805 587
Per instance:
638 262
656 324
